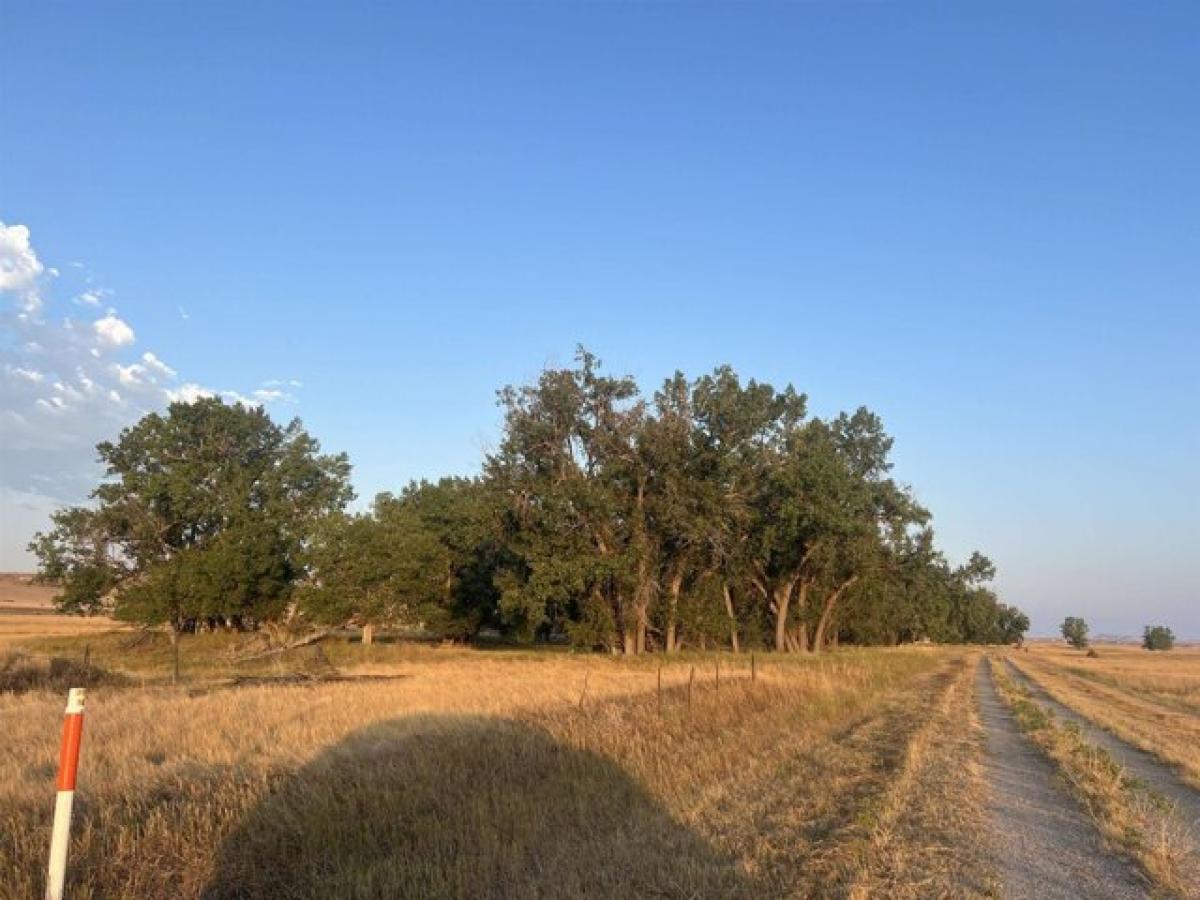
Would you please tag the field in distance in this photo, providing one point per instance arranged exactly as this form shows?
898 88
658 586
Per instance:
1151 700
27 611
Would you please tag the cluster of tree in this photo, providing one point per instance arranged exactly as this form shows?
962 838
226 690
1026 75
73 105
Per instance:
715 513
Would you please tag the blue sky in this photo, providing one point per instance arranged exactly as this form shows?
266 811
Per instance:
982 223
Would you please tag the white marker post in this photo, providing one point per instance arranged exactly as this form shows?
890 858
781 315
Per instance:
68 765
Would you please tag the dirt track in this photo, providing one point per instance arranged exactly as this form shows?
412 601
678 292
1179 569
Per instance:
1044 846
1138 763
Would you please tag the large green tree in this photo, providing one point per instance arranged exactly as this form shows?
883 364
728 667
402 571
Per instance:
574 491
204 513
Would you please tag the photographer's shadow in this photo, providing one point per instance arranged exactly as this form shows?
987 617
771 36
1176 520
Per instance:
465 807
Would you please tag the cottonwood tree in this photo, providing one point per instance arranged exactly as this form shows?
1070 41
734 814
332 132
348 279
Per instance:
717 512
1075 632
1158 637
718 508
203 513
575 493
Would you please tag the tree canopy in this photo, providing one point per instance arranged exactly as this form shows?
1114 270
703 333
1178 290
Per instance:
1075 632
204 513
1158 637
715 512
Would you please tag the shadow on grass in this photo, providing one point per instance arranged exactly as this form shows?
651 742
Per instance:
471 807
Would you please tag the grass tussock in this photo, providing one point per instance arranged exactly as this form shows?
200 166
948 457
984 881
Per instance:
1132 818
476 774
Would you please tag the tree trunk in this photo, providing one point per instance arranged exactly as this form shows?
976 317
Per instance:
800 637
630 641
174 653
675 587
368 635
802 644
783 598
827 612
733 629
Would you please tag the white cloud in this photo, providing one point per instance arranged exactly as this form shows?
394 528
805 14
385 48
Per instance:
189 393
66 385
131 374
20 268
112 331
239 398
90 298
25 374
157 366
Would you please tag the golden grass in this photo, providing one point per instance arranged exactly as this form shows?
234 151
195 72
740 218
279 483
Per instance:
927 834
473 774
1131 818
20 628
1151 700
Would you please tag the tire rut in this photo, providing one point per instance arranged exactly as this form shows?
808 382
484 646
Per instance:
1044 846
1137 762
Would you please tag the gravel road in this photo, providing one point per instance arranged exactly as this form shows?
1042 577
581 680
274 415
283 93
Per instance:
1138 763
1044 845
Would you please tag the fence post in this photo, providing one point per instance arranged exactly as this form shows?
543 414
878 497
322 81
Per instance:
717 678
691 678
753 671
68 765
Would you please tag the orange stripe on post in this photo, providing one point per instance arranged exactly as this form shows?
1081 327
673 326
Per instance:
68 759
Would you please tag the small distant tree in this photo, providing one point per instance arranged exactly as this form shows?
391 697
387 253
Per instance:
1075 632
1158 637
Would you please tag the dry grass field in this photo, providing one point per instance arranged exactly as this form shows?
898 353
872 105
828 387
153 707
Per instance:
1150 699
444 772
401 769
